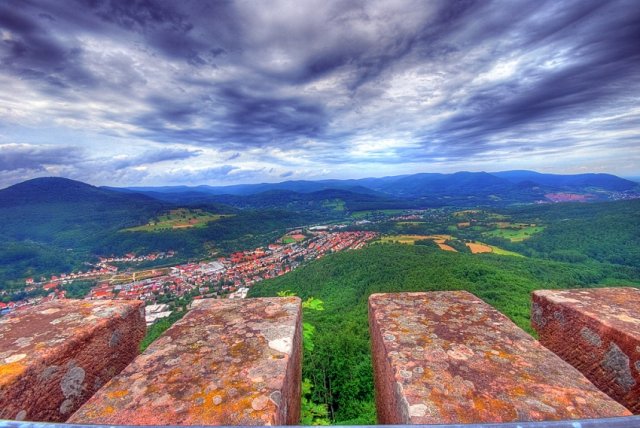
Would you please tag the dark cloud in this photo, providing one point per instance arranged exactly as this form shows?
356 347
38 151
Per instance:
154 156
29 50
15 157
337 82
602 65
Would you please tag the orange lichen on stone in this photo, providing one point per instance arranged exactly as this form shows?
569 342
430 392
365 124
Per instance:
448 357
598 332
227 362
54 356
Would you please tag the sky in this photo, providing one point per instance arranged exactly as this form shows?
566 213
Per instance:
142 93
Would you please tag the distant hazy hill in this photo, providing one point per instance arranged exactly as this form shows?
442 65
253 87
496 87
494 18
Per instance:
58 189
321 200
462 188
569 182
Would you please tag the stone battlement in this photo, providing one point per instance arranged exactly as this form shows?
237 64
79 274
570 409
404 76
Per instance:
55 356
439 358
227 362
448 357
598 332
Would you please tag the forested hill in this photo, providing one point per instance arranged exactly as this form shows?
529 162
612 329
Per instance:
607 232
68 213
58 189
339 367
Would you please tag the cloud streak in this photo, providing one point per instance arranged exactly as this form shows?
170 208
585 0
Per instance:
350 87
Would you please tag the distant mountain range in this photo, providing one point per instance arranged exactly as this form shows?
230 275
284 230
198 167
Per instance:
403 191
425 188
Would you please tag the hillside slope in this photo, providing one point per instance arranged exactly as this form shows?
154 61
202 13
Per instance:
340 365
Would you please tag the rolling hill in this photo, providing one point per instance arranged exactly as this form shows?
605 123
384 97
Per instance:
59 210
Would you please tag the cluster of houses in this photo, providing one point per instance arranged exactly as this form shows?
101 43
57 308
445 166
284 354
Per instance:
103 269
227 276
408 217
132 258
233 275
100 269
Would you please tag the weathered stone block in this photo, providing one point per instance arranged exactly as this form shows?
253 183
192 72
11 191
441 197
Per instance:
227 362
598 332
448 357
54 356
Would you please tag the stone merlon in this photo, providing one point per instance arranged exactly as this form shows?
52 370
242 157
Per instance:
227 362
598 332
448 357
53 357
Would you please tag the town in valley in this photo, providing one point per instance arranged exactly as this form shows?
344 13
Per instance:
223 277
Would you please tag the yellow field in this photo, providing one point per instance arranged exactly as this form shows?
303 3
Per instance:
446 247
411 239
477 247
404 239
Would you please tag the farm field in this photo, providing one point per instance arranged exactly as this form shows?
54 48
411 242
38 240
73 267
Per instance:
290 239
181 218
515 233
334 204
127 277
500 251
477 247
411 239
480 247
404 239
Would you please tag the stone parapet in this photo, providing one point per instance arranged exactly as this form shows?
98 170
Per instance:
227 362
449 358
54 356
598 332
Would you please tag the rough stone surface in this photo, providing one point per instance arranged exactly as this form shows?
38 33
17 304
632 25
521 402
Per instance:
227 362
448 357
54 356
598 332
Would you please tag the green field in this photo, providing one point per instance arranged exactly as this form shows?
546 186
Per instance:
181 218
501 252
515 234
368 213
334 204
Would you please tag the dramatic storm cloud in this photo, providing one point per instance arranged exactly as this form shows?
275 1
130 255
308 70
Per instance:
124 92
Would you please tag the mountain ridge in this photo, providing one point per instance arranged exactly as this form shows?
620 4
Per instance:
410 184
